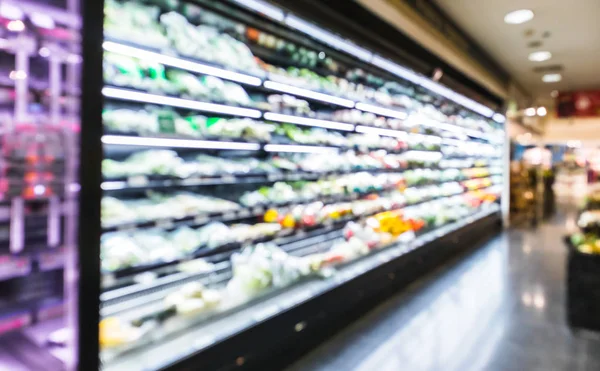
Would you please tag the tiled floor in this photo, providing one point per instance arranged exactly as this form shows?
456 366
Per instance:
500 308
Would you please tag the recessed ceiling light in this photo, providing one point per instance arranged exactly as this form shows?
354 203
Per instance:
519 16
530 111
552 77
554 94
541 111
540 56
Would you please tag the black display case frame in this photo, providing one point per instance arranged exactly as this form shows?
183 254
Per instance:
297 329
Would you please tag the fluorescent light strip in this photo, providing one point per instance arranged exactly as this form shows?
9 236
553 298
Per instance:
341 44
327 37
178 102
429 138
426 155
438 125
295 148
431 85
180 63
499 118
458 98
381 111
380 131
392 67
176 143
308 122
308 94
111 186
264 8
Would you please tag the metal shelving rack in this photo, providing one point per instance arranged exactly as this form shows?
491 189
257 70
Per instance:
38 195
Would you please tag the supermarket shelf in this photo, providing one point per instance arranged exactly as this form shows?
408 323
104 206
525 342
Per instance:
210 334
306 93
249 212
144 182
133 140
288 239
144 53
305 121
140 97
216 143
42 258
205 68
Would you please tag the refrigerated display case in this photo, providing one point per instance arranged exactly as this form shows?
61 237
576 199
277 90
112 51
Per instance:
39 88
252 173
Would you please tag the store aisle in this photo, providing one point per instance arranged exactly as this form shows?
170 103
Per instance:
501 308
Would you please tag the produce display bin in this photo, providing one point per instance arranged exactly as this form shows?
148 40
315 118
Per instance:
583 289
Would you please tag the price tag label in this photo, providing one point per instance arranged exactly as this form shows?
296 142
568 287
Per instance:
244 213
108 280
228 179
266 312
201 219
53 260
258 210
303 296
383 258
229 215
11 266
165 224
137 181
204 342
14 323
129 227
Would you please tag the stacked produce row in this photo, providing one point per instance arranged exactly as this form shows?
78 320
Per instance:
239 162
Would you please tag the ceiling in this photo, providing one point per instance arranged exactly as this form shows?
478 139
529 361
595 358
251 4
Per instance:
573 40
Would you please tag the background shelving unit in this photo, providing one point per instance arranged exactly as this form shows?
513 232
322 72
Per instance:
39 109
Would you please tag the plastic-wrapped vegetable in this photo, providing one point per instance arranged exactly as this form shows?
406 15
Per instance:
262 266
134 22
118 252
126 120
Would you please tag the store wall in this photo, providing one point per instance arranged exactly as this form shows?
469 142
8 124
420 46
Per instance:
583 129
408 21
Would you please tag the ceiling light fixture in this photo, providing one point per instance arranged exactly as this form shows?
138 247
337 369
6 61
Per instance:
542 111
554 94
15 26
531 111
519 16
540 56
552 77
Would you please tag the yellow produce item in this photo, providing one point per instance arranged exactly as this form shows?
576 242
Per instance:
113 333
271 216
288 221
